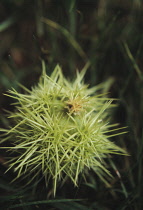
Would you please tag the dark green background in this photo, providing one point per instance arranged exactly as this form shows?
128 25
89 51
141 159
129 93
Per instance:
109 35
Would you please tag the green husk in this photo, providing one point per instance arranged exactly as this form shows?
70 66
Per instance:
59 129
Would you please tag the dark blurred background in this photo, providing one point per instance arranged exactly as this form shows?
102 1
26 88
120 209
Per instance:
109 35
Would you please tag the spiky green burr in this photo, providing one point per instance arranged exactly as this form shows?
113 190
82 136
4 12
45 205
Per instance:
59 129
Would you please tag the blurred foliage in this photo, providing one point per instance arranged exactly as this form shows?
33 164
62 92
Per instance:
109 35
